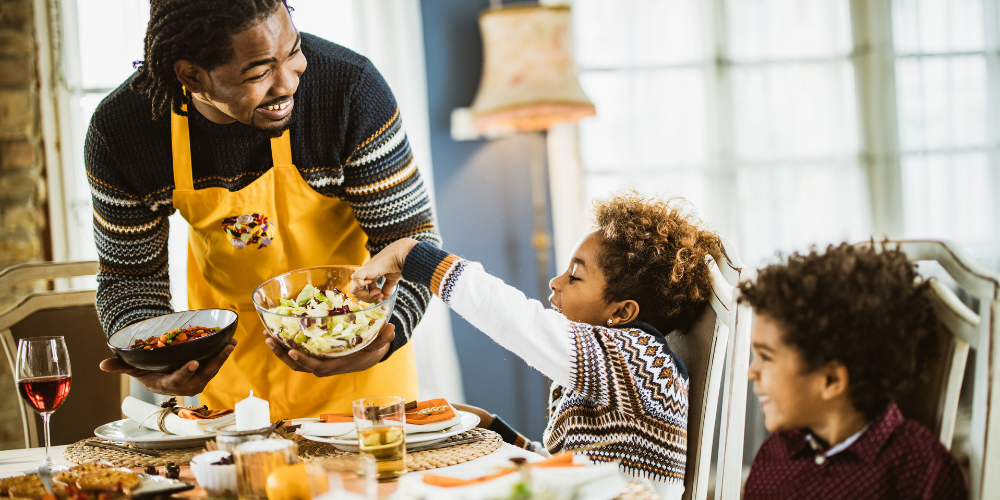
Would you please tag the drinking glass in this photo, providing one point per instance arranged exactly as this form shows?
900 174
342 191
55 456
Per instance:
381 436
43 379
346 477
255 460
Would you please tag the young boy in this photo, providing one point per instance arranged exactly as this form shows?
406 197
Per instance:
836 336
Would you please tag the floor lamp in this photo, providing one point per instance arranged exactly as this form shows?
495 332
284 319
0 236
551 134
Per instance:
528 84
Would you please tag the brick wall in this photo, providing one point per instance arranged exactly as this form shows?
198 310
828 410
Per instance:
22 203
22 176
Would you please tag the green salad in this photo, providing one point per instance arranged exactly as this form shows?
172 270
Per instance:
326 322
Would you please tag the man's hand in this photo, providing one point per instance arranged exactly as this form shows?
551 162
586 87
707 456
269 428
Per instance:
354 362
388 263
188 380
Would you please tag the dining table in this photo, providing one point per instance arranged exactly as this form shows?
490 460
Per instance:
14 462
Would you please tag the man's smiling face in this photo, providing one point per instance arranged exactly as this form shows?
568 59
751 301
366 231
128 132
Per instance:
257 84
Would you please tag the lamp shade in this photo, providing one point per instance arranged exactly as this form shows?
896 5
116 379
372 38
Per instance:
529 79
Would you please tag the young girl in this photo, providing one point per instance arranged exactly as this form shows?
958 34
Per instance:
640 275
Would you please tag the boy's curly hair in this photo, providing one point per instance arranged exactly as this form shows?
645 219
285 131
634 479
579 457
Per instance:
859 306
654 253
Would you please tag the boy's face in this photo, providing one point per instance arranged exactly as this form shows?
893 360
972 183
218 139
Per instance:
578 293
790 394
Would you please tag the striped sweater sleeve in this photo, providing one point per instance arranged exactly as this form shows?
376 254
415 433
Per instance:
384 188
523 326
131 239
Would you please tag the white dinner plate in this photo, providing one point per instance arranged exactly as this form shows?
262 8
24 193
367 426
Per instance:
129 431
158 486
469 421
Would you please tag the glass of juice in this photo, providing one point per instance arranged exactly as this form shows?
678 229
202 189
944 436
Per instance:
344 473
255 460
381 437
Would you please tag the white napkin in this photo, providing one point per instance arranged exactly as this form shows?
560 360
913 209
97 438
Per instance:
597 482
348 430
142 412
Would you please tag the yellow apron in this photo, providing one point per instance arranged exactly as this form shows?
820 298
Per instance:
304 229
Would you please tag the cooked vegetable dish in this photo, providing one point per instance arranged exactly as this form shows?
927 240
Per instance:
175 336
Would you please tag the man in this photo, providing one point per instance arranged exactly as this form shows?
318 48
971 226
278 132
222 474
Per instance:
224 122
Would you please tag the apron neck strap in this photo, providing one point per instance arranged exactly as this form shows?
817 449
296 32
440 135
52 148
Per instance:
180 142
180 139
281 150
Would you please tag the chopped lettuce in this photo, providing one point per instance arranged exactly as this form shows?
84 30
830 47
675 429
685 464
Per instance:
322 322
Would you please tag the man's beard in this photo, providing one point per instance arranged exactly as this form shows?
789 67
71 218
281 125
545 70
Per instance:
271 132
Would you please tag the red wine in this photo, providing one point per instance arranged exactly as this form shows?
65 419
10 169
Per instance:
45 394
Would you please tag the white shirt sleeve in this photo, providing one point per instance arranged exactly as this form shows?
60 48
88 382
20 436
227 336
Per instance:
523 326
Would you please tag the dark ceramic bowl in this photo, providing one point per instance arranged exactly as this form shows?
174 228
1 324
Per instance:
168 359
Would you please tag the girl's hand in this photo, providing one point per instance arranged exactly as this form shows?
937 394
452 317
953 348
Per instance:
388 263
485 417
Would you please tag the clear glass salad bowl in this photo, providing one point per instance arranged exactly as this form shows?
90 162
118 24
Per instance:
309 310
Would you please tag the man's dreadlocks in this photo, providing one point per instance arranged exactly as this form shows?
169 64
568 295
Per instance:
200 31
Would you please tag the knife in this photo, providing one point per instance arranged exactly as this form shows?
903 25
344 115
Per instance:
120 448
446 444
46 476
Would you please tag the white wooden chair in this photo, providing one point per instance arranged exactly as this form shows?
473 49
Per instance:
703 350
95 396
732 422
962 329
935 403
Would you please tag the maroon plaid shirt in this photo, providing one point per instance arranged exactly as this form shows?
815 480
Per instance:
895 458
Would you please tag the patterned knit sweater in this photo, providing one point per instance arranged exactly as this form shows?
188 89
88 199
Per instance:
610 384
347 142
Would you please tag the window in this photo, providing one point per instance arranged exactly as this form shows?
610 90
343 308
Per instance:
789 123
947 86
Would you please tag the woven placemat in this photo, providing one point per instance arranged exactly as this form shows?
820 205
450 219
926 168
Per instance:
79 453
420 460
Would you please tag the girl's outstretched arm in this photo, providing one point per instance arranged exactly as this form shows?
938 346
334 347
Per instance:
539 335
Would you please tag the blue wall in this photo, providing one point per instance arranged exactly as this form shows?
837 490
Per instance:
484 209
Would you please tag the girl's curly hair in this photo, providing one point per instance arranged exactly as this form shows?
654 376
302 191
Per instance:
654 253
859 306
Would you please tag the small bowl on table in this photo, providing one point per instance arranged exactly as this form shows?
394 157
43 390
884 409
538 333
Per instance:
169 358
216 480
298 332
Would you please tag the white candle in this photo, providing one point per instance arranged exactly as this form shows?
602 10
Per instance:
252 413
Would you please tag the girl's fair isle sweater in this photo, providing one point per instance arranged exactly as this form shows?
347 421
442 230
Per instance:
610 384
347 142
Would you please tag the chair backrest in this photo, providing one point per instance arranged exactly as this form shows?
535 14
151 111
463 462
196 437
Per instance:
702 349
935 402
95 396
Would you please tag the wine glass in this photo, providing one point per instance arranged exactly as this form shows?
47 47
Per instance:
43 379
